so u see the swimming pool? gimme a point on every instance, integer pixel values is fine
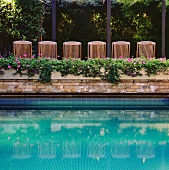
(118, 138)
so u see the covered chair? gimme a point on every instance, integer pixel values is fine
(96, 49)
(146, 49)
(47, 49)
(22, 49)
(72, 49)
(121, 49)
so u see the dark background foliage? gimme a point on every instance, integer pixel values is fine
(84, 23)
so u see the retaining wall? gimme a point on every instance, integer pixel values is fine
(79, 84)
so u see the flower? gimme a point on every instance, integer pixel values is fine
(32, 56)
(162, 59)
(9, 66)
(25, 55)
(130, 60)
(18, 62)
(144, 62)
(18, 66)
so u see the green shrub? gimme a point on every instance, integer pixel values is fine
(107, 69)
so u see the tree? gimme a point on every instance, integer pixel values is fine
(19, 20)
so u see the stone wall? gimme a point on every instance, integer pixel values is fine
(84, 86)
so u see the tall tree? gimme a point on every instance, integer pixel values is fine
(108, 28)
(54, 20)
(163, 26)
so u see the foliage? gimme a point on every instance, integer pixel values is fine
(20, 20)
(156, 66)
(140, 18)
(112, 75)
(98, 22)
(105, 68)
(46, 72)
(84, 21)
(68, 25)
(131, 67)
(130, 21)
(146, 2)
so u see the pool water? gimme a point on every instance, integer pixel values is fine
(119, 139)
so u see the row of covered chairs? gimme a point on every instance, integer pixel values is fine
(73, 49)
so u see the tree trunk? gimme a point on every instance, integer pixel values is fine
(108, 28)
(54, 20)
(163, 26)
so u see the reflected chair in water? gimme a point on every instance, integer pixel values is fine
(96, 150)
(145, 150)
(71, 149)
(146, 49)
(21, 150)
(47, 150)
(96, 49)
(120, 150)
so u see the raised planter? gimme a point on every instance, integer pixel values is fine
(79, 84)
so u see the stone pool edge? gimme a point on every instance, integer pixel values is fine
(85, 87)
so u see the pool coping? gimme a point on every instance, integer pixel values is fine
(84, 95)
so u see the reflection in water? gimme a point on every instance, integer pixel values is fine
(21, 151)
(72, 149)
(47, 150)
(120, 150)
(145, 150)
(96, 150)
(83, 141)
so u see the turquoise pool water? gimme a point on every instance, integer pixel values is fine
(85, 139)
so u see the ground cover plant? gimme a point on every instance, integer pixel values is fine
(107, 69)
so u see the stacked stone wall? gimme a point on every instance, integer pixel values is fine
(84, 86)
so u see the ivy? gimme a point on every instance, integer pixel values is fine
(113, 75)
(46, 72)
